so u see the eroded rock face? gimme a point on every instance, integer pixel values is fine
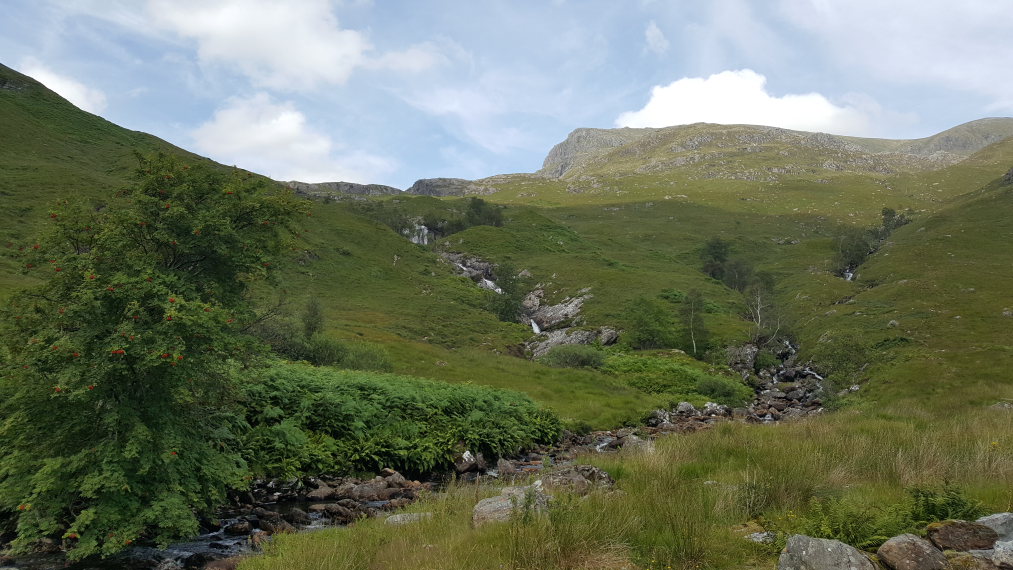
(551, 316)
(546, 341)
(1001, 523)
(807, 553)
(449, 187)
(910, 552)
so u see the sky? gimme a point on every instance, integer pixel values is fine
(391, 91)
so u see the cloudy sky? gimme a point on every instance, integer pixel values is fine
(388, 91)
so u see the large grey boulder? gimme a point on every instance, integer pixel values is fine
(807, 553)
(1001, 523)
(407, 518)
(910, 552)
(511, 501)
(1002, 555)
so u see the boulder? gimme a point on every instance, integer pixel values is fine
(511, 500)
(505, 468)
(581, 479)
(239, 528)
(298, 517)
(807, 553)
(961, 535)
(1001, 523)
(369, 491)
(321, 493)
(910, 552)
(1002, 554)
(407, 518)
(467, 462)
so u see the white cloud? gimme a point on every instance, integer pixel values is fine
(287, 46)
(961, 45)
(275, 139)
(87, 98)
(655, 38)
(741, 97)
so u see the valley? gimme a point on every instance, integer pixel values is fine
(661, 267)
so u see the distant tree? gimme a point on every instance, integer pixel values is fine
(691, 314)
(714, 255)
(854, 246)
(119, 366)
(650, 325)
(482, 213)
(760, 305)
(738, 274)
(313, 318)
(508, 304)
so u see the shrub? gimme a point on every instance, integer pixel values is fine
(722, 390)
(305, 419)
(574, 356)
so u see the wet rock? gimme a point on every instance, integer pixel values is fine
(468, 462)
(1001, 523)
(511, 500)
(909, 552)
(239, 528)
(407, 518)
(276, 526)
(505, 468)
(369, 491)
(807, 553)
(396, 480)
(322, 493)
(961, 535)
(298, 516)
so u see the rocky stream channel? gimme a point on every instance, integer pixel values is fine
(786, 391)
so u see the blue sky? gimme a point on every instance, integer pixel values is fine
(392, 91)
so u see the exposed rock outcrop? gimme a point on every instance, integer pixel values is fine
(910, 552)
(449, 187)
(551, 316)
(324, 189)
(546, 341)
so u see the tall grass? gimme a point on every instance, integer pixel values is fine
(680, 500)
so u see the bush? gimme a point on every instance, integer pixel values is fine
(722, 390)
(650, 325)
(311, 420)
(574, 356)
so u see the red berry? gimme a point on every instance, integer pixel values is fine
(172, 453)
(59, 269)
(91, 387)
(56, 347)
(172, 299)
(180, 357)
(169, 318)
(76, 354)
(52, 215)
(36, 246)
(58, 389)
(167, 206)
(165, 355)
(91, 276)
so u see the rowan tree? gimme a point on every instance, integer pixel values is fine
(119, 367)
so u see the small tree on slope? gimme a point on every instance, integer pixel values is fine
(118, 369)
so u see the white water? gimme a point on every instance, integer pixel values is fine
(535, 327)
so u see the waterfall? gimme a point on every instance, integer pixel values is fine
(535, 327)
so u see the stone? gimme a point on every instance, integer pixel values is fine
(1002, 554)
(276, 526)
(321, 493)
(239, 528)
(396, 480)
(407, 518)
(339, 513)
(511, 500)
(505, 468)
(1001, 523)
(961, 535)
(468, 462)
(807, 553)
(369, 491)
(298, 516)
(686, 408)
(910, 552)
(580, 479)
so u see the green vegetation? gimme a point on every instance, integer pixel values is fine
(118, 369)
(574, 356)
(305, 420)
